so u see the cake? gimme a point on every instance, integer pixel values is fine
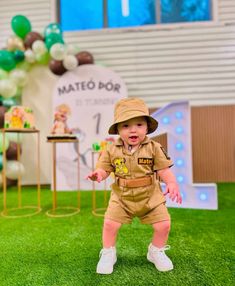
(19, 117)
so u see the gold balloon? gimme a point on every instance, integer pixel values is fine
(15, 43)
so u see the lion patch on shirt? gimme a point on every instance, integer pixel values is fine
(120, 167)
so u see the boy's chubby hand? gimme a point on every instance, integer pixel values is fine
(174, 193)
(98, 175)
(95, 176)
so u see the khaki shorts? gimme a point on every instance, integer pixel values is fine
(124, 210)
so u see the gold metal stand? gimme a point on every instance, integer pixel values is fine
(6, 212)
(98, 211)
(75, 210)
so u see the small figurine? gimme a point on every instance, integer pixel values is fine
(60, 120)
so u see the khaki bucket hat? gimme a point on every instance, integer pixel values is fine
(129, 108)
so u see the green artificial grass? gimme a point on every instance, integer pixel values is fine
(39, 250)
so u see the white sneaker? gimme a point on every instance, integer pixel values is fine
(158, 257)
(108, 258)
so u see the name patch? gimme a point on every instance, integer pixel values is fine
(145, 161)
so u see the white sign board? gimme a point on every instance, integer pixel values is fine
(90, 93)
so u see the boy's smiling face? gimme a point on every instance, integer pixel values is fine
(133, 131)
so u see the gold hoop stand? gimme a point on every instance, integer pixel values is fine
(8, 215)
(5, 213)
(52, 212)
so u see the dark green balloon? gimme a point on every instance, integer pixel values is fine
(18, 56)
(8, 102)
(20, 25)
(53, 28)
(53, 39)
(7, 61)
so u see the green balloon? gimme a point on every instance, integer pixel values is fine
(53, 28)
(20, 25)
(53, 39)
(43, 59)
(7, 61)
(23, 66)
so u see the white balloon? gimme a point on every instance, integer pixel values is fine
(39, 47)
(70, 62)
(19, 77)
(58, 51)
(8, 88)
(29, 56)
(14, 169)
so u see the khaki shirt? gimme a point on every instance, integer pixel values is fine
(144, 202)
(149, 158)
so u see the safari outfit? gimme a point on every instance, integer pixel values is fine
(136, 190)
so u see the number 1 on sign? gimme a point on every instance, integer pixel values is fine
(97, 116)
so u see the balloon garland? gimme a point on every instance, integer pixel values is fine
(25, 49)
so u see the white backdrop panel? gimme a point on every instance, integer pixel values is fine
(90, 92)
